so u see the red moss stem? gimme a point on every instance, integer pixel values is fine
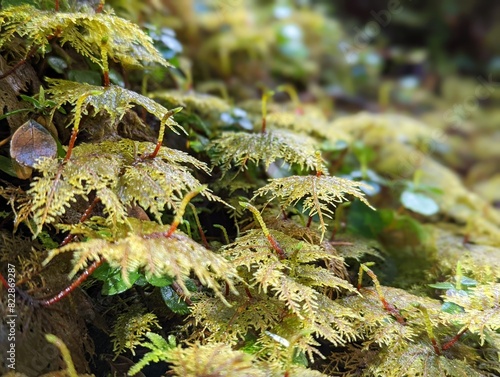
(70, 288)
(71, 144)
(70, 237)
(276, 246)
(454, 340)
(309, 221)
(106, 80)
(100, 7)
(247, 291)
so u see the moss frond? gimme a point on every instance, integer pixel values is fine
(93, 35)
(114, 100)
(115, 171)
(215, 359)
(295, 281)
(317, 193)
(193, 101)
(159, 351)
(239, 148)
(144, 246)
(131, 327)
(481, 309)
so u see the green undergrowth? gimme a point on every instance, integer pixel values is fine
(232, 235)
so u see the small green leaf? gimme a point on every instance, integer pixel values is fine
(159, 281)
(443, 285)
(57, 64)
(6, 166)
(113, 279)
(468, 282)
(173, 301)
(300, 358)
(451, 308)
(364, 221)
(419, 203)
(115, 283)
(89, 77)
(47, 242)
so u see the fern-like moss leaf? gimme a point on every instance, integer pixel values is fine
(114, 100)
(176, 256)
(317, 193)
(130, 328)
(93, 35)
(115, 171)
(239, 148)
(481, 309)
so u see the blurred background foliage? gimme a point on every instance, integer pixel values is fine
(436, 60)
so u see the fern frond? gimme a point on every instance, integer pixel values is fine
(115, 171)
(114, 100)
(312, 124)
(193, 101)
(221, 323)
(294, 281)
(419, 360)
(131, 327)
(334, 322)
(144, 246)
(481, 309)
(160, 351)
(317, 193)
(215, 359)
(238, 148)
(95, 36)
(58, 186)
(159, 182)
(380, 327)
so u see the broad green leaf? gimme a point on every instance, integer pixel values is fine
(159, 281)
(173, 301)
(419, 203)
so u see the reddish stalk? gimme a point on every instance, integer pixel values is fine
(435, 346)
(276, 246)
(200, 229)
(66, 291)
(4, 282)
(309, 221)
(100, 7)
(391, 309)
(178, 216)
(70, 237)
(70, 288)
(20, 63)
(14, 68)
(56, 6)
(71, 144)
(453, 340)
(272, 241)
(247, 291)
(106, 81)
(62, 294)
(160, 140)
